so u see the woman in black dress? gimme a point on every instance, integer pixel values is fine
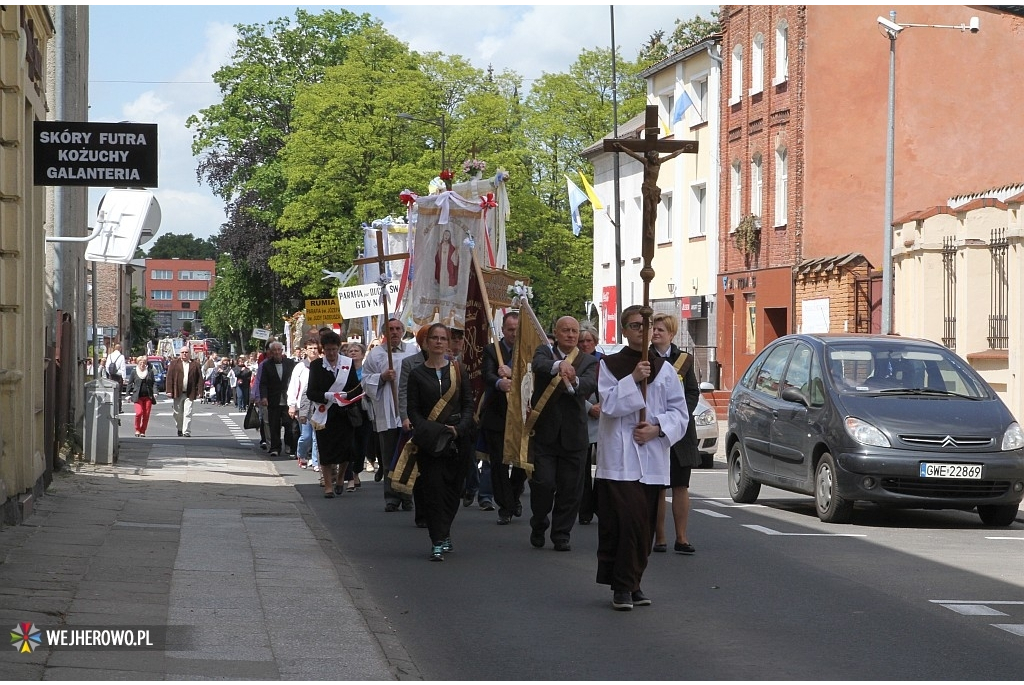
(335, 436)
(442, 419)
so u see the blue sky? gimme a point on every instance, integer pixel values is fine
(153, 64)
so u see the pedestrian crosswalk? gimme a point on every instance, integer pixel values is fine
(973, 607)
(236, 431)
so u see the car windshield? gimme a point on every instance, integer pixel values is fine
(880, 367)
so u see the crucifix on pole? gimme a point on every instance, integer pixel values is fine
(381, 261)
(647, 151)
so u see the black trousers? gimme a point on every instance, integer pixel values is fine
(626, 515)
(555, 489)
(388, 442)
(507, 484)
(277, 418)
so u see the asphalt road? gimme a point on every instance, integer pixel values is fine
(772, 593)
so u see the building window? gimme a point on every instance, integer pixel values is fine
(750, 303)
(192, 294)
(700, 89)
(781, 187)
(666, 102)
(736, 94)
(757, 65)
(161, 275)
(186, 316)
(949, 292)
(664, 219)
(756, 185)
(735, 186)
(162, 295)
(698, 210)
(781, 53)
(998, 322)
(193, 275)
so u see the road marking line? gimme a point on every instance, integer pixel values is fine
(996, 537)
(976, 601)
(716, 514)
(1015, 628)
(734, 505)
(769, 531)
(974, 610)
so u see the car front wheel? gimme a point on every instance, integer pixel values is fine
(997, 514)
(742, 488)
(831, 507)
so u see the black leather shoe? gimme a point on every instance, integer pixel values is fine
(640, 599)
(537, 539)
(585, 522)
(563, 546)
(504, 520)
(518, 510)
(622, 601)
(378, 476)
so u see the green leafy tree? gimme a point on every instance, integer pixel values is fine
(142, 321)
(685, 34)
(234, 306)
(240, 138)
(187, 246)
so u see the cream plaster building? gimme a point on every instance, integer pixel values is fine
(958, 280)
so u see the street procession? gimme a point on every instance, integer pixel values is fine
(511, 342)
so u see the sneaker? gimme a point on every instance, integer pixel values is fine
(390, 507)
(406, 506)
(504, 520)
(640, 599)
(487, 505)
(622, 600)
(187, 434)
(537, 539)
(447, 545)
(317, 468)
(273, 453)
(563, 546)
(684, 548)
(437, 553)
(467, 500)
(179, 434)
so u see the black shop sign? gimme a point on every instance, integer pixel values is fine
(79, 153)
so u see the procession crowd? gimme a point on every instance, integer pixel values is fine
(607, 434)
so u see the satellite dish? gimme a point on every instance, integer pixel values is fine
(126, 218)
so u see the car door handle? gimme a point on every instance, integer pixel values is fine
(775, 413)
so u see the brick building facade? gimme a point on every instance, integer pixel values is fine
(174, 290)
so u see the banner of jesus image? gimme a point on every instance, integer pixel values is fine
(445, 232)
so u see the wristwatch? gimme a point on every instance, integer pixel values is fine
(661, 433)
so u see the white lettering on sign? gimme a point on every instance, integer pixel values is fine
(93, 173)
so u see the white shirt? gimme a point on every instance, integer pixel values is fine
(382, 398)
(298, 382)
(619, 457)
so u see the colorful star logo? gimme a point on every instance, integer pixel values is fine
(25, 637)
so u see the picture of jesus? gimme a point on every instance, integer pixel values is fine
(448, 256)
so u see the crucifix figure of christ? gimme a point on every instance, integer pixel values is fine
(647, 151)
(381, 261)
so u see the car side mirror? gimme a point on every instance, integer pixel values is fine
(707, 387)
(794, 395)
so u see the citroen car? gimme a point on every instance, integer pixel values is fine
(873, 418)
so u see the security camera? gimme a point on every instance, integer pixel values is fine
(892, 28)
(974, 26)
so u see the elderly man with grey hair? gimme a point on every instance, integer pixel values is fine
(275, 373)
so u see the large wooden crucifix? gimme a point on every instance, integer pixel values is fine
(647, 151)
(381, 261)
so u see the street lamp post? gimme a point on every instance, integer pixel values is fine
(891, 29)
(439, 122)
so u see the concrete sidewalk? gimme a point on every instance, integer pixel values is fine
(179, 533)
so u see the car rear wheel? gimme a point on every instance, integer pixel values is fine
(742, 488)
(831, 507)
(997, 514)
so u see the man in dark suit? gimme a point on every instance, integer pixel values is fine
(508, 487)
(563, 378)
(274, 376)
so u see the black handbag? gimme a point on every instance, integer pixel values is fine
(252, 417)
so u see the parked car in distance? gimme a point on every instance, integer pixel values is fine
(159, 371)
(128, 370)
(884, 419)
(703, 417)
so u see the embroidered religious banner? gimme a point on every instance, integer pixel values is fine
(447, 230)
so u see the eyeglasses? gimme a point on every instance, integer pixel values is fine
(635, 326)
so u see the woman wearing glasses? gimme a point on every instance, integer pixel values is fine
(440, 406)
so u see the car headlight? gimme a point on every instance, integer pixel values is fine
(866, 434)
(1013, 438)
(705, 418)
